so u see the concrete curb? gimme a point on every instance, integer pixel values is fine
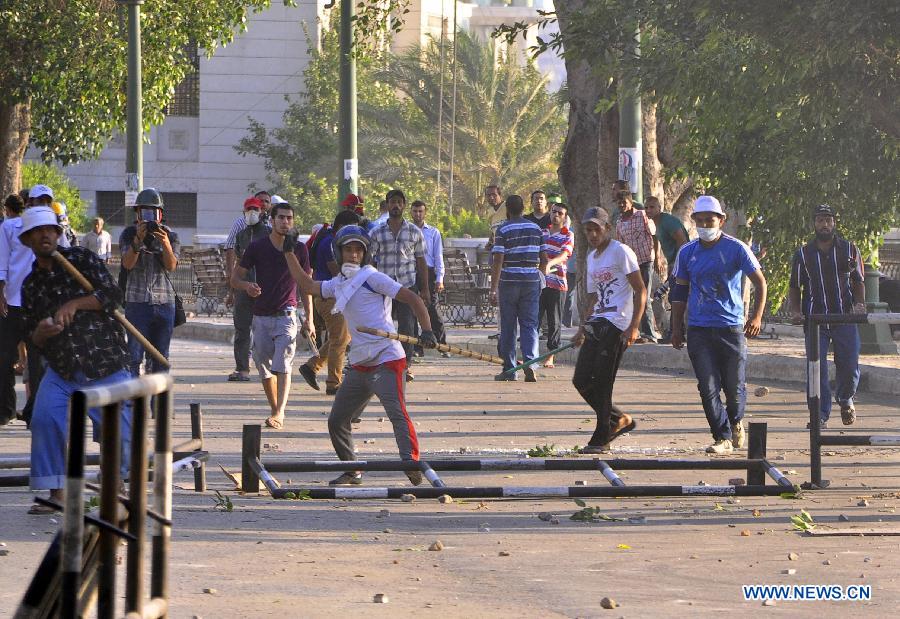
(761, 366)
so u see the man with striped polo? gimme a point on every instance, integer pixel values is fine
(827, 278)
(516, 285)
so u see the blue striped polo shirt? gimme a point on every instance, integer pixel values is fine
(520, 241)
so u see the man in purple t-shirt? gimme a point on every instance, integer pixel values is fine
(274, 309)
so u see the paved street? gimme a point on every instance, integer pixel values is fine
(680, 557)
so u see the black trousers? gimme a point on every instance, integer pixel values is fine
(11, 331)
(550, 308)
(595, 374)
(242, 314)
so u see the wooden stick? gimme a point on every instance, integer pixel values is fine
(511, 371)
(117, 314)
(406, 339)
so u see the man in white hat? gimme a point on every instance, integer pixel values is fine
(708, 275)
(83, 344)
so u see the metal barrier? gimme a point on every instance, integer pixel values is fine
(813, 393)
(188, 455)
(254, 470)
(82, 563)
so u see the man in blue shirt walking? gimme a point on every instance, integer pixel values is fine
(516, 285)
(708, 283)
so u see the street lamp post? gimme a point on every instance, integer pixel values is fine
(349, 172)
(134, 129)
(631, 147)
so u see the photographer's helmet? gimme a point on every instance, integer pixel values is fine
(349, 234)
(148, 199)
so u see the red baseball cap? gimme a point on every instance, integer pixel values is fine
(352, 200)
(254, 203)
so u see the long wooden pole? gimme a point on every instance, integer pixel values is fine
(406, 339)
(117, 314)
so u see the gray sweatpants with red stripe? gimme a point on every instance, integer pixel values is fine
(388, 382)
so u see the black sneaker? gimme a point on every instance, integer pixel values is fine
(347, 479)
(504, 377)
(415, 477)
(823, 425)
(309, 376)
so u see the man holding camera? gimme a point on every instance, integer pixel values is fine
(150, 252)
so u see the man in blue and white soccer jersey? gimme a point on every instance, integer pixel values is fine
(708, 275)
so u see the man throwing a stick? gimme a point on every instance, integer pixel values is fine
(377, 364)
(617, 294)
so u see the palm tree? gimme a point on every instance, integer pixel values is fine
(509, 127)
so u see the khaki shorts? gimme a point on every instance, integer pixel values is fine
(274, 343)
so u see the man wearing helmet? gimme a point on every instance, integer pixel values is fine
(150, 252)
(377, 364)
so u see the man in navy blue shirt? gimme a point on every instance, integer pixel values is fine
(516, 285)
(708, 275)
(827, 278)
(333, 352)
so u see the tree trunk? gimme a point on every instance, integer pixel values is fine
(590, 153)
(15, 129)
(654, 176)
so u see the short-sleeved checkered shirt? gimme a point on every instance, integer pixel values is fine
(146, 281)
(637, 232)
(396, 256)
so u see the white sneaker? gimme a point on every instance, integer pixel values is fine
(722, 446)
(738, 435)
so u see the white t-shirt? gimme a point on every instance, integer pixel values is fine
(370, 307)
(608, 279)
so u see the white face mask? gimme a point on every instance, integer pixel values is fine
(349, 270)
(708, 234)
(251, 217)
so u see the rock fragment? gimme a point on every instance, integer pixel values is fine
(436, 546)
(608, 603)
(380, 598)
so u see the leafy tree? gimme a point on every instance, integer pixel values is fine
(508, 127)
(64, 190)
(773, 107)
(63, 69)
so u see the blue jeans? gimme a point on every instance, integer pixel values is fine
(719, 357)
(518, 311)
(50, 426)
(845, 340)
(156, 323)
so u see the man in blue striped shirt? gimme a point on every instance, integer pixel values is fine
(827, 278)
(516, 284)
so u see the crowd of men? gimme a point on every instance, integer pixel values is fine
(355, 272)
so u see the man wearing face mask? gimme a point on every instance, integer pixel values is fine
(707, 275)
(242, 314)
(239, 224)
(827, 278)
(150, 252)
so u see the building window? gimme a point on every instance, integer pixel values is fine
(180, 211)
(186, 100)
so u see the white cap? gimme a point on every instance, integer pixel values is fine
(276, 199)
(38, 216)
(40, 190)
(708, 204)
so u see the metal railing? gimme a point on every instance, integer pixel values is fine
(87, 559)
(814, 393)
